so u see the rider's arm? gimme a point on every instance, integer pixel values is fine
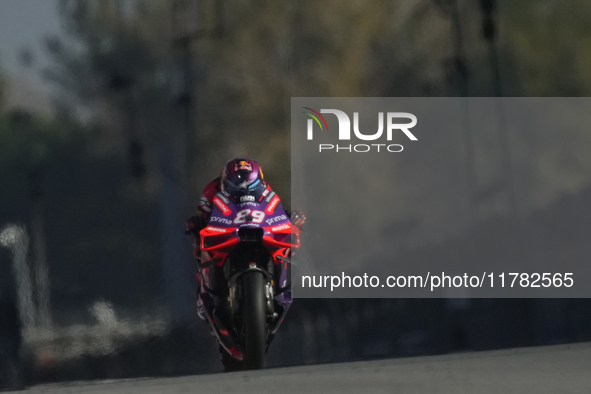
(198, 221)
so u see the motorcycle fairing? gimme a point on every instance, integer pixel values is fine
(229, 217)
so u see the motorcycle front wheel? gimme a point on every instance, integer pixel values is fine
(254, 320)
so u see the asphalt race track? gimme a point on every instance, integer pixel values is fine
(554, 369)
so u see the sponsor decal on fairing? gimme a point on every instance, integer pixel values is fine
(282, 227)
(220, 204)
(270, 196)
(223, 195)
(216, 229)
(276, 219)
(272, 205)
(220, 220)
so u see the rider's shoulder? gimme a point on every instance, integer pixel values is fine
(213, 186)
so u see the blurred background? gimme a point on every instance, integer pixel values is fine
(115, 113)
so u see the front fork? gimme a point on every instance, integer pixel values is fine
(277, 293)
(234, 290)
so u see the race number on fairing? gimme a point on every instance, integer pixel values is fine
(257, 216)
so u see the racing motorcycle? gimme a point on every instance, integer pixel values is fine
(245, 261)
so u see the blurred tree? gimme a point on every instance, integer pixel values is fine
(546, 54)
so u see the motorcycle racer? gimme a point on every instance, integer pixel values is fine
(242, 180)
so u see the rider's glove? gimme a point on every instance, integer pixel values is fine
(196, 223)
(298, 218)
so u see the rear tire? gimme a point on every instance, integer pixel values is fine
(254, 320)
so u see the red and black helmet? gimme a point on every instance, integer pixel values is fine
(241, 177)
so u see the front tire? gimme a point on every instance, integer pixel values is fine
(254, 320)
